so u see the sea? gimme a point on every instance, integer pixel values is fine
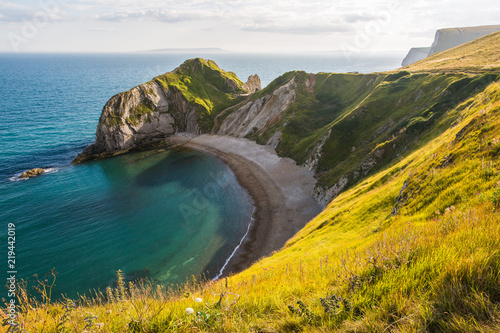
(164, 215)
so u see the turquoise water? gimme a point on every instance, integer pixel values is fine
(164, 215)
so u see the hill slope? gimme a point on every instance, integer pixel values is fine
(410, 242)
(480, 55)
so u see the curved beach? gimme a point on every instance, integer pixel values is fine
(281, 190)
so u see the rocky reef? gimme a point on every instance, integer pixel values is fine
(32, 173)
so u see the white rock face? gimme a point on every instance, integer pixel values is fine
(324, 195)
(157, 124)
(256, 116)
(313, 159)
(415, 54)
(446, 39)
(119, 130)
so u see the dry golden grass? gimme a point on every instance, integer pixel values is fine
(480, 55)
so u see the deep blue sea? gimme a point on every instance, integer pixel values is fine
(164, 215)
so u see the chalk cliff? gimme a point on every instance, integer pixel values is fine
(448, 38)
(415, 54)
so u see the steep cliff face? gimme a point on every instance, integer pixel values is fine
(415, 54)
(258, 115)
(185, 100)
(446, 39)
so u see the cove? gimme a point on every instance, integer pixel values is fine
(159, 214)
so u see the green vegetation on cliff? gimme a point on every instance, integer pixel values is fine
(368, 120)
(204, 84)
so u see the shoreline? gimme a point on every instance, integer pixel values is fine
(281, 192)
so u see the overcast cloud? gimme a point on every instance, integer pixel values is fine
(237, 25)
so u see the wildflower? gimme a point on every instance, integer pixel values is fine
(198, 300)
(452, 207)
(189, 311)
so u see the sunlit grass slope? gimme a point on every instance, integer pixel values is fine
(412, 247)
(415, 247)
(480, 55)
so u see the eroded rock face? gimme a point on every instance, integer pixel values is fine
(120, 129)
(32, 173)
(446, 39)
(258, 115)
(415, 54)
(253, 84)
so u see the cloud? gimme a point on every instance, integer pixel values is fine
(162, 15)
(11, 12)
(360, 17)
(103, 29)
(299, 29)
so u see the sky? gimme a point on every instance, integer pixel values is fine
(261, 26)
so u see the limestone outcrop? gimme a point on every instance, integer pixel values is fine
(258, 115)
(415, 54)
(446, 39)
(253, 84)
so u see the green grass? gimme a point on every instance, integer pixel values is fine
(204, 85)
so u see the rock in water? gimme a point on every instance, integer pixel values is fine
(32, 173)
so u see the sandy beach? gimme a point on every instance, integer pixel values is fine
(281, 190)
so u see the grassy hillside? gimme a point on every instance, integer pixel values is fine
(201, 82)
(205, 85)
(479, 55)
(412, 247)
(367, 121)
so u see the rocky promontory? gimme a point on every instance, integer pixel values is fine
(187, 99)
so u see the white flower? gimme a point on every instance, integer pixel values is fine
(189, 311)
(198, 300)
